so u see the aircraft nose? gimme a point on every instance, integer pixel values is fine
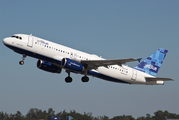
(5, 41)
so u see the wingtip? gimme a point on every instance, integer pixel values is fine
(139, 59)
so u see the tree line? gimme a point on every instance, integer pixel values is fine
(37, 114)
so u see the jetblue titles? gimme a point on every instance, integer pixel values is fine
(43, 42)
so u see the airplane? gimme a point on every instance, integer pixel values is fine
(54, 57)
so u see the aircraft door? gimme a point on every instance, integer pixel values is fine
(134, 74)
(30, 41)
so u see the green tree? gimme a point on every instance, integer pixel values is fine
(124, 117)
(160, 115)
(105, 117)
(18, 116)
(4, 116)
(36, 114)
(62, 115)
(51, 112)
(141, 118)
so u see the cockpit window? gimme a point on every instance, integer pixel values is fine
(17, 37)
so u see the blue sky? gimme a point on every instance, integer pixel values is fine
(111, 29)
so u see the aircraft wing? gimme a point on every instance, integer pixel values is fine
(94, 64)
(158, 79)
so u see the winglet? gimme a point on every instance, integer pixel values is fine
(139, 59)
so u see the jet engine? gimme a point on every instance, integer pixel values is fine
(72, 65)
(49, 67)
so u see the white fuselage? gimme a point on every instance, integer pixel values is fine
(49, 51)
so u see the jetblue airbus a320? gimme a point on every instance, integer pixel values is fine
(53, 57)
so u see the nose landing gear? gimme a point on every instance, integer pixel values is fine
(21, 62)
(23, 58)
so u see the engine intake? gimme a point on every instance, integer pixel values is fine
(49, 67)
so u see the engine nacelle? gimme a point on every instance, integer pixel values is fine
(72, 65)
(49, 67)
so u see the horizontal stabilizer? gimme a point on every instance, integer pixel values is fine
(158, 79)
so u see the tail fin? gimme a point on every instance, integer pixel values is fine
(152, 64)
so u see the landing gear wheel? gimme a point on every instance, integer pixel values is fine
(85, 79)
(21, 62)
(68, 79)
(23, 58)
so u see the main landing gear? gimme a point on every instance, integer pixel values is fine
(23, 58)
(69, 79)
(85, 79)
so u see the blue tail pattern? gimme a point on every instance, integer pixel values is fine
(152, 64)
